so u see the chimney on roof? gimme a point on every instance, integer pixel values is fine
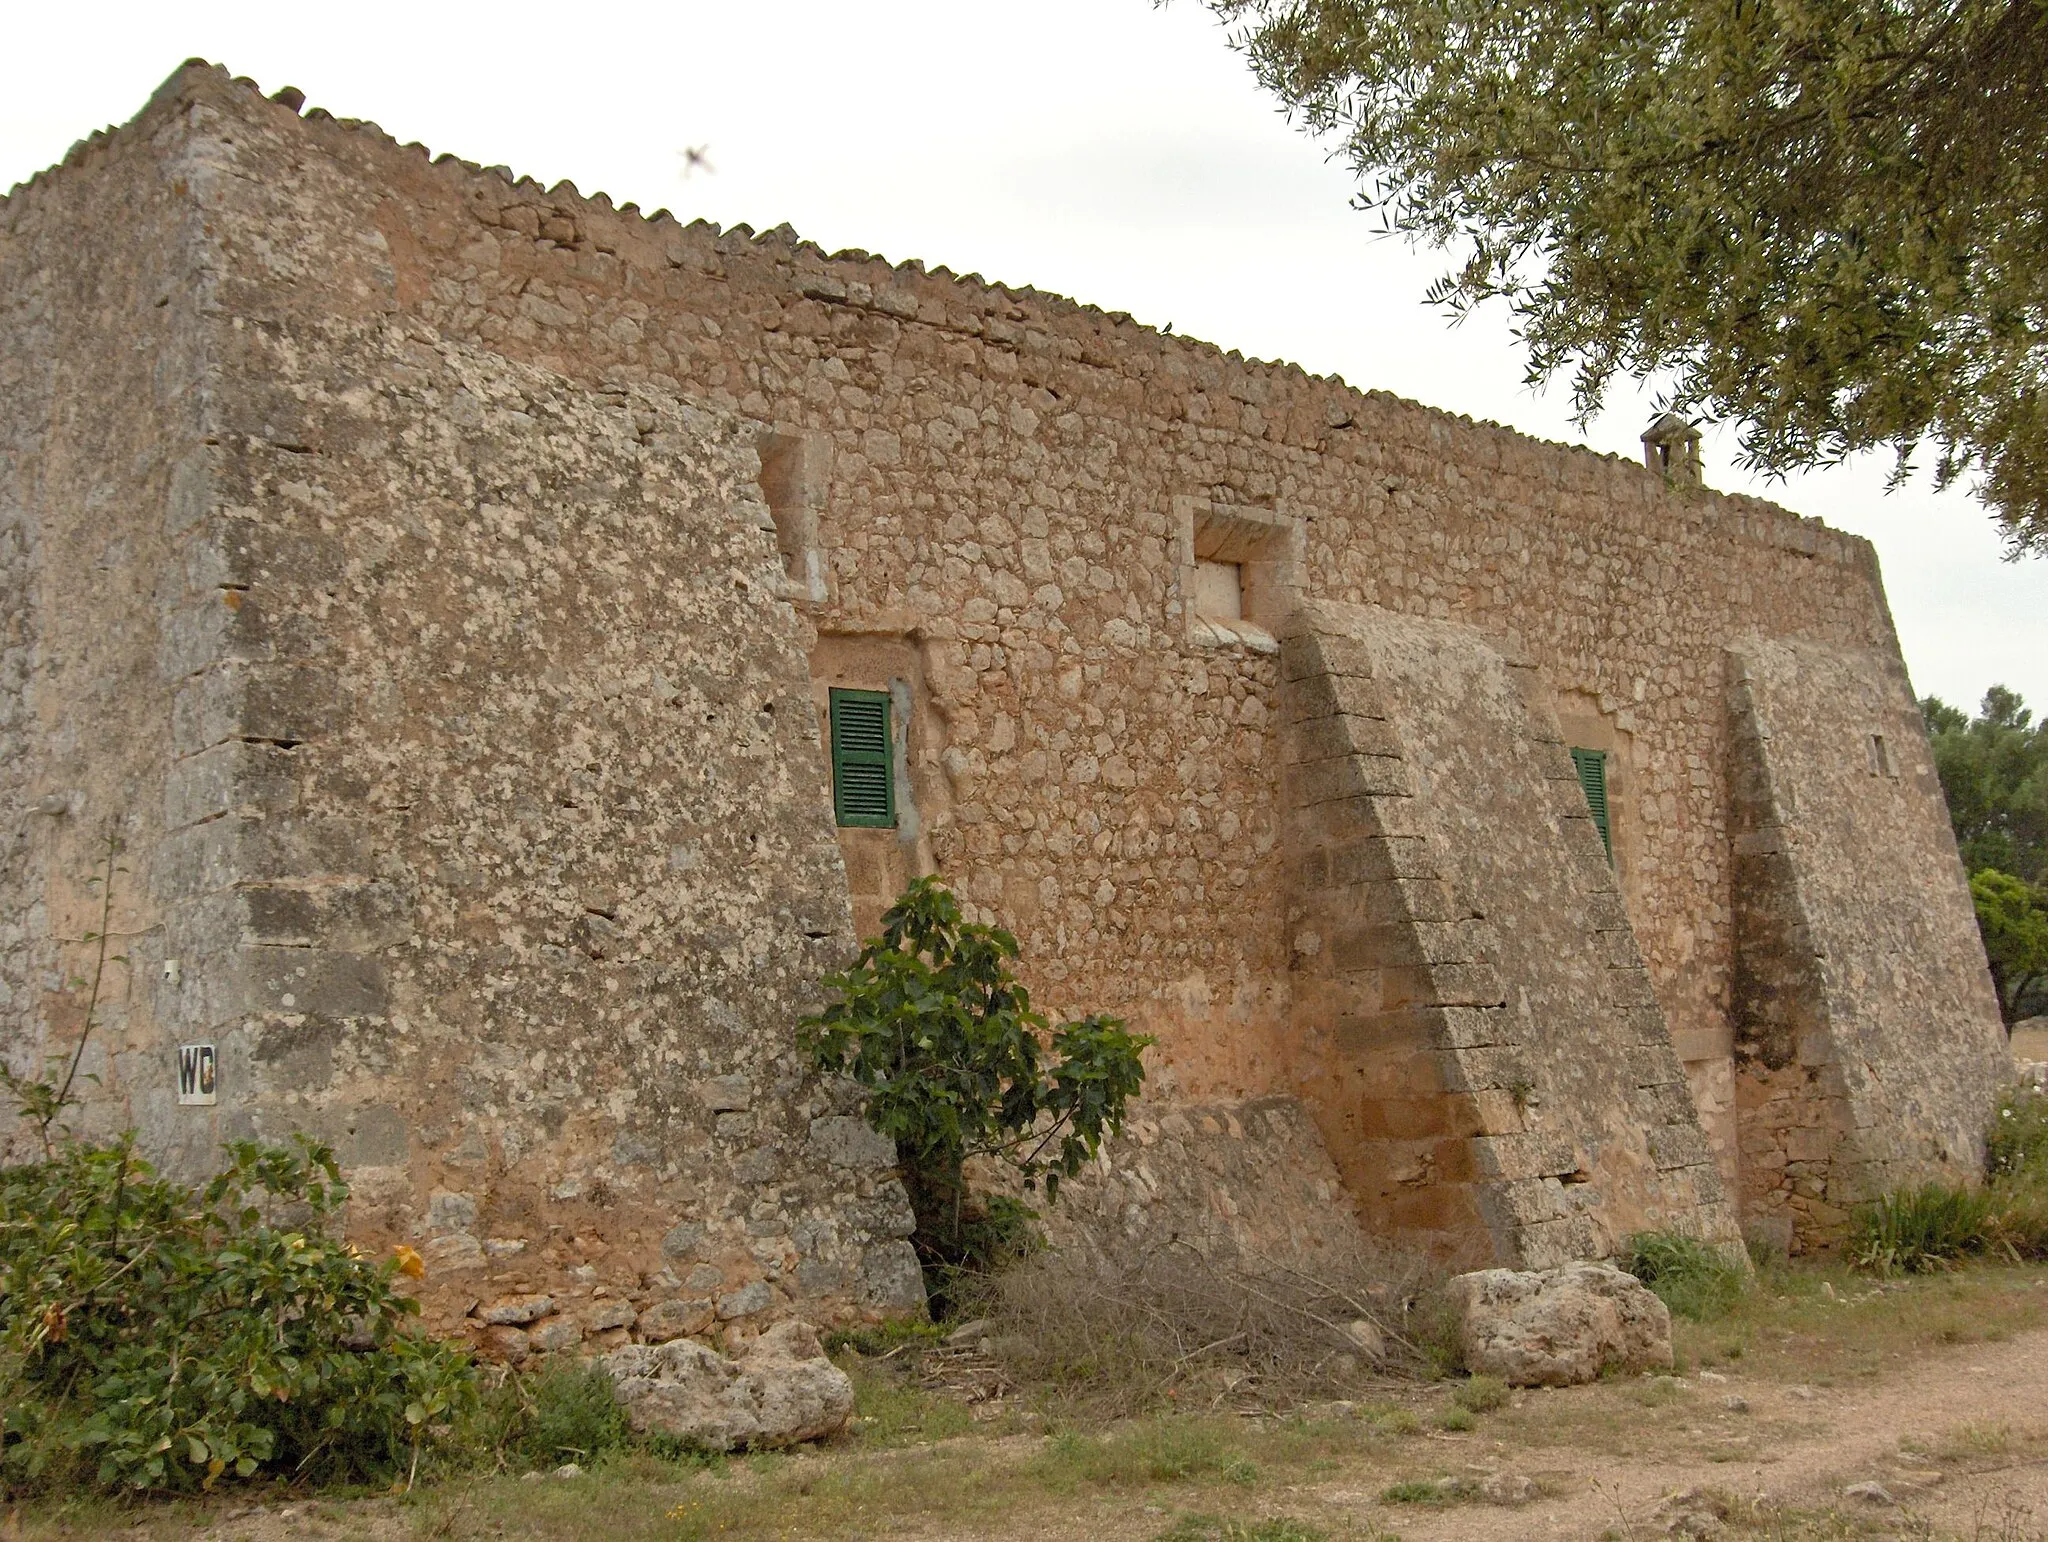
(1671, 447)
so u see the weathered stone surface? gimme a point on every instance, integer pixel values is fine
(517, 1310)
(844, 1141)
(555, 1334)
(503, 1342)
(747, 1301)
(781, 1392)
(1866, 1037)
(1559, 1327)
(667, 1320)
(603, 1316)
(460, 609)
(1535, 1127)
(891, 1279)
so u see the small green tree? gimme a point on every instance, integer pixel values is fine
(2013, 916)
(955, 1064)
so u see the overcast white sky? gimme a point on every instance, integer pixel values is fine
(1103, 149)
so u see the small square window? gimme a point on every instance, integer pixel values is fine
(1239, 570)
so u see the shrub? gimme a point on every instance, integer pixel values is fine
(562, 1413)
(1692, 1278)
(955, 1064)
(1481, 1394)
(158, 1337)
(2016, 1146)
(1915, 1231)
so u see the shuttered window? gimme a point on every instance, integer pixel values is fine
(1592, 769)
(863, 791)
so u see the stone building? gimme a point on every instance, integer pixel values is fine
(521, 643)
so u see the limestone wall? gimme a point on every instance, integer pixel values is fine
(104, 471)
(1472, 1019)
(998, 500)
(1013, 483)
(459, 735)
(1861, 999)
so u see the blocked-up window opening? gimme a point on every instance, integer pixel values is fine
(863, 786)
(1219, 590)
(1592, 768)
(1238, 572)
(795, 479)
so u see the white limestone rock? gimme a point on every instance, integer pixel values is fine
(1560, 1327)
(782, 1392)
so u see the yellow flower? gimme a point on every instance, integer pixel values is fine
(410, 1264)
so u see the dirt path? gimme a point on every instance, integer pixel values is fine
(1938, 1394)
(1969, 1471)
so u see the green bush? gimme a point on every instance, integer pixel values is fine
(1916, 1231)
(2016, 1146)
(1692, 1278)
(159, 1337)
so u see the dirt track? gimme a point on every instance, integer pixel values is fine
(1814, 1442)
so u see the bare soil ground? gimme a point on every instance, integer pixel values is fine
(1935, 1391)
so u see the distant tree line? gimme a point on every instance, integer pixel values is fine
(1994, 769)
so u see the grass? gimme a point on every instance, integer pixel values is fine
(1696, 1281)
(1208, 1528)
(1917, 1231)
(890, 1410)
(1155, 1450)
(1481, 1394)
(919, 1463)
(1417, 1491)
(1936, 1226)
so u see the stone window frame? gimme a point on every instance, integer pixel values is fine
(1269, 547)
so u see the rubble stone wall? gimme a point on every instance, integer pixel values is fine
(104, 477)
(1473, 1021)
(529, 509)
(457, 730)
(1860, 995)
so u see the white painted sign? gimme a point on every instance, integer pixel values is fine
(198, 1073)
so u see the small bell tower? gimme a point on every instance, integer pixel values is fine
(1671, 446)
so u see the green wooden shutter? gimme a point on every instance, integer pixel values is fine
(863, 788)
(1592, 769)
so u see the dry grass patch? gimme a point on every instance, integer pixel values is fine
(1096, 1337)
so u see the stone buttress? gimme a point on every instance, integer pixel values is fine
(1476, 1029)
(1864, 1019)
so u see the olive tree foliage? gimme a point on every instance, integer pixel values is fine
(1824, 220)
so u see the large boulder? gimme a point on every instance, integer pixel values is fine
(1560, 1327)
(780, 1392)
